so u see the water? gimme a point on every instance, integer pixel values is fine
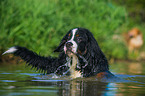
(18, 80)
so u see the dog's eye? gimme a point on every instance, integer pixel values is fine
(79, 39)
(68, 37)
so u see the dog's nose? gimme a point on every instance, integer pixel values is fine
(68, 44)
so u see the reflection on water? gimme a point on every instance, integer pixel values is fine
(16, 80)
(135, 68)
(129, 68)
(81, 88)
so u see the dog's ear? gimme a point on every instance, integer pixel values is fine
(93, 47)
(61, 45)
(95, 55)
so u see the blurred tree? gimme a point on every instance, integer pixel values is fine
(136, 9)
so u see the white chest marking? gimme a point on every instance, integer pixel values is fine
(137, 42)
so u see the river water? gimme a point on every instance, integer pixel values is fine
(19, 80)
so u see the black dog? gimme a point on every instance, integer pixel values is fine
(80, 56)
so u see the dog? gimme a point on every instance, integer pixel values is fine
(134, 39)
(80, 56)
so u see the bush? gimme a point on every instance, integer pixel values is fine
(40, 24)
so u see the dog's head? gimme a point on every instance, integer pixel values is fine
(81, 42)
(75, 41)
(134, 33)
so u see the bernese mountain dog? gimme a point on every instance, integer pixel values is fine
(80, 56)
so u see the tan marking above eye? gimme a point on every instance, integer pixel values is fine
(77, 35)
(69, 34)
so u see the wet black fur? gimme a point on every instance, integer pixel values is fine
(96, 60)
(46, 64)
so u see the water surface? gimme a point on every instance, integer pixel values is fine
(18, 80)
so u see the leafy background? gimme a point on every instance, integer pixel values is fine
(40, 24)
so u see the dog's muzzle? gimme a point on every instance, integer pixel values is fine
(69, 46)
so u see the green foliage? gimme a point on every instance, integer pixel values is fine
(135, 9)
(40, 24)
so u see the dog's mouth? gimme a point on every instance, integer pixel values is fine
(69, 52)
(75, 67)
